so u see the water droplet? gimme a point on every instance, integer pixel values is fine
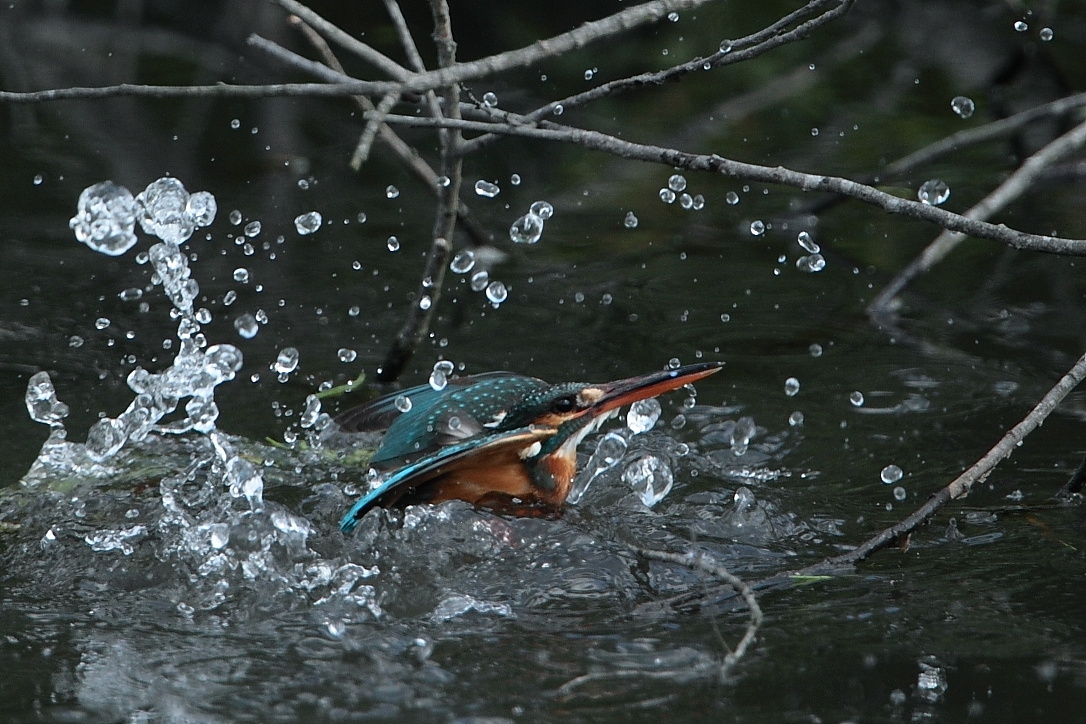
(643, 415)
(105, 218)
(963, 106)
(346, 355)
(496, 292)
(490, 100)
(588, 74)
(463, 262)
(393, 243)
(527, 229)
(699, 202)
(515, 179)
(558, 110)
(38, 179)
(542, 209)
(856, 398)
(443, 182)
(650, 477)
(676, 183)
(674, 363)
(486, 189)
(725, 46)
(795, 419)
(1021, 26)
(630, 222)
(286, 362)
(900, 494)
(402, 403)
(933, 192)
(725, 317)
(667, 196)
(732, 198)
(252, 229)
(241, 275)
(791, 387)
(891, 474)
(807, 243)
(814, 131)
(479, 280)
(1046, 34)
(673, 17)
(391, 192)
(811, 264)
(686, 201)
(308, 223)
(815, 350)
(101, 323)
(757, 227)
(425, 303)
(246, 326)
(361, 217)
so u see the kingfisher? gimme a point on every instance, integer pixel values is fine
(497, 440)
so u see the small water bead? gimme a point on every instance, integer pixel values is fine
(354, 311)
(261, 315)
(630, 222)
(558, 110)
(393, 243)
(676, 183)
(963, 106)
(402, 403)
(791, 387)
(391, 192)
(650, 477)
(75, 341)
(101, 323)
(589, 73)
(346, 355)
(527, 229)
(463, 262)
(425, 303)
(241, 275)
(38, 179)
(698, 202)
(496, 292)
(229, 298)
(252, 229)
(515, 179)
(1046, 34)
(667, 196)
(757, 227)
(235, 217)
(811, 264)
(203, 315)
(479, 280)
(732, 198)
(725, 317)
(686, 201)
(105, 218)
(807, 243)
(1021, 26)
(856, 398)
(891, 474)
(814, 131)
(933, 192)
(361, 217)
(673, 17)
(643, 415)
(307, 223)
(490, 99)
(286, 362)
(900, 494)
(674, 363)
(795, 419)
(131, 294)
(815, 349)
(445, 367)
(246, 326)
(486, 189)
(725, 46)
(542, 209)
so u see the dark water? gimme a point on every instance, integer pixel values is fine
(213, 612)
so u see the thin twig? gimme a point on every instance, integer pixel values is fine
(404, 33)
(369, 133)
(418, 322)
(219, 90)
(345, 40)
(766, 174)
(741, 50)
(1015, 185)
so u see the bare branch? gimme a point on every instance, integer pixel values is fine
(1015, 185)
(369, 133)
(766, 174)
(220, 90)
(740, 50)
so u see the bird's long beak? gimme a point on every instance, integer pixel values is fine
(613, 395)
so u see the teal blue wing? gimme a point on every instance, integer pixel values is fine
(421, 471)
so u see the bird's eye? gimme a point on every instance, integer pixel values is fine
(563, 405)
